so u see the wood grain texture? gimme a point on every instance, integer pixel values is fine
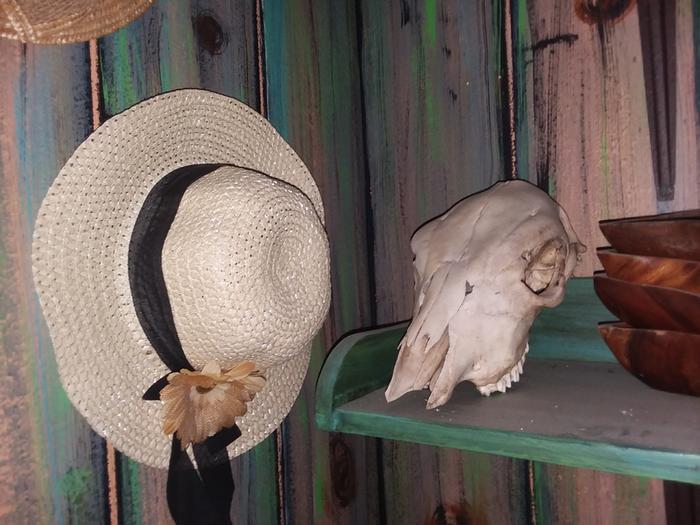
(606, 121)
(430, 76)
(430, 73)
(208, 44)
(314, 100)
(590, 496)
(51, 462)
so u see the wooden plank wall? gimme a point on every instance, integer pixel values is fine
(430, 77)
(51, 463)
(399, 108)
(606, 121)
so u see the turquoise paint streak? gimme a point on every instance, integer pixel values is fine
(131, 495)
(37, 362)
(696, 41)
(276, 67)
(521, 44)
(336, 107)
(125, 77)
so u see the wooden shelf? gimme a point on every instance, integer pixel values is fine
(574, 405)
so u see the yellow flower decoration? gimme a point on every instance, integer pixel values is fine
(199, 404)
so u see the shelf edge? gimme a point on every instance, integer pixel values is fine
(607, 457)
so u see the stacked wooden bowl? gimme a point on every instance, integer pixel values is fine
(651, 283)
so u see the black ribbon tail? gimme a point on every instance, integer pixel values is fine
(153, 392)
(202, 496)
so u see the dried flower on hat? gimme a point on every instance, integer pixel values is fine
(199, 404)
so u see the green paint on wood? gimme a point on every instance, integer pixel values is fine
(570, 452)
(696, 42)
(263, 499)
(542, 494)
(362, 363)
(178, 67)
(314, 100)
(277, 73)
(430, 23)
(130, 491)
(121, 71)
(76, 483)
(522, 53)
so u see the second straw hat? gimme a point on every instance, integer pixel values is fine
(65, 21)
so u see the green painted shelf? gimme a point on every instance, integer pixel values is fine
(574, 405)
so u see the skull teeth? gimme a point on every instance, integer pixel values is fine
(505, 382)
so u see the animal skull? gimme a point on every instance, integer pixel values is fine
(483, 271)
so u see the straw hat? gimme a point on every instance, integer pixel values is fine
(65, 21)
(242, 261)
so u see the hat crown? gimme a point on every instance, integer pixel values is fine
(245, 264)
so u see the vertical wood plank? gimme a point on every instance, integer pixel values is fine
(682, 503)
(314, 99)
(431, 80)
(209, 44)
(431, 76)
(565, 495)
(687, 51)
(51, 462)
(607, 123)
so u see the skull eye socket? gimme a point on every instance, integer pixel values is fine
(545, 266)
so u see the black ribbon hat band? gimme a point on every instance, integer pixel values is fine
(195, 496)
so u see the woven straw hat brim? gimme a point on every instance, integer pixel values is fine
(81, 249)
(67, 21)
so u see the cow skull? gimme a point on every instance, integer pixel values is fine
(483, 271)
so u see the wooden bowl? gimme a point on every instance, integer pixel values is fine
(681, 274)
(662, 359)
(649, 306)
(675, 235)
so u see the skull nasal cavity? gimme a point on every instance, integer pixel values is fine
(545, 265)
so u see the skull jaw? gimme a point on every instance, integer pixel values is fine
(495, 369)
(488, 352)
(506, 380)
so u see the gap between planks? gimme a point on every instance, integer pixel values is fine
(111, 453)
